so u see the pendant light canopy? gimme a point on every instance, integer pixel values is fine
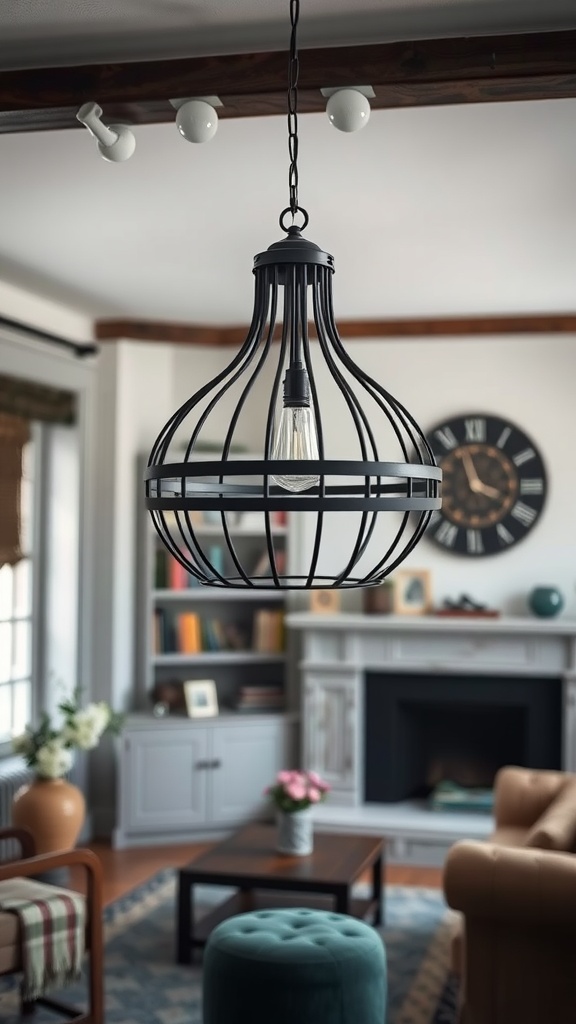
(324, 424)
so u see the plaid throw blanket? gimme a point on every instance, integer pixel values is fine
(53, 924)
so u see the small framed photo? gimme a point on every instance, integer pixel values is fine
(325, 602)
(201, 698)
(412, 593)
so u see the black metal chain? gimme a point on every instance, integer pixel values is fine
(293, 69)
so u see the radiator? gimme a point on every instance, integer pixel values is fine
(13, 774)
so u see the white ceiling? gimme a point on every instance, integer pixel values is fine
(41, 33)
(446, 210)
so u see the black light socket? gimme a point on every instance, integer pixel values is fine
(296, 387)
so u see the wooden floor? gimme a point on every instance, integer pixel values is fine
(125, 869)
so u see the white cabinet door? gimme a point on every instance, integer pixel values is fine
(245, 759)
(330, 717)
(164, 776)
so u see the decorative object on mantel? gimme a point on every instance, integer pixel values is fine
(294, 794)
(325, 602)
(50, 807)
(546, 602)
(378, 600)
(412, 592)
(466, 607)
(301, 469)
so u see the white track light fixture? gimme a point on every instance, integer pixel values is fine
(348, 110)
(116, 142)
(336, 448)
(197, 121)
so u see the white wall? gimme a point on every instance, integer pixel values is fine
(134, 399)
(45, 314)
(528, 379)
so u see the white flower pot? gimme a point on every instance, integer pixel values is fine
(295, 832)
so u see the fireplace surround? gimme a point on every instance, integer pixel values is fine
(341, 656)
(420, 730)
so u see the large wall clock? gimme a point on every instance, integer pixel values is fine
(494, 484)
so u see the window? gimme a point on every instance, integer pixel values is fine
(17, 610)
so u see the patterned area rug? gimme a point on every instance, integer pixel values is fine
(145, 986)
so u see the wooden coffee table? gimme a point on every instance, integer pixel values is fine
(248, 862)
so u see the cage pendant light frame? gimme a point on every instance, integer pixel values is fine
(293, 287)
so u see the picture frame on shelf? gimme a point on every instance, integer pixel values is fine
(201, 698)
(324, 602)
(412, 592)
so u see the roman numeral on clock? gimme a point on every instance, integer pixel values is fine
(532, 486)
(524, 456)
(474, 543)
(475, 429)
(503, 437)
(446, 438)
(523, 513)
(446, 534)
(504, 535)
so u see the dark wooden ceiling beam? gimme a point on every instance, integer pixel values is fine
(428, 72)
(224, 337)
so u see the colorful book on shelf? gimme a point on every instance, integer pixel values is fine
(177, 575)
(236, 637)
(157, 631)
(164, 639)
(189, 633)
(268, 631)
(160, 569)
(260, 698)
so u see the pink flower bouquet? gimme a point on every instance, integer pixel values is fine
(295, 790)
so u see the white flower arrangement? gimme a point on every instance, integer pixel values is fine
(48, 750)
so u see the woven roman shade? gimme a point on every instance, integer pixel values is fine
(14, 433)
(32, 401)
(21, 402)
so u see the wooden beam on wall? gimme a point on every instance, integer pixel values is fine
(481, 69)
(432, 327)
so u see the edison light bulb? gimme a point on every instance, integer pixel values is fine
(296, 439)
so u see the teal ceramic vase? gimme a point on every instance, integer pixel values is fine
(546, 601)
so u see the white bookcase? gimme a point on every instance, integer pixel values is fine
(239, 634)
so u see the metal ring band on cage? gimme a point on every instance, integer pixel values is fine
(420, 493)
(272, 467)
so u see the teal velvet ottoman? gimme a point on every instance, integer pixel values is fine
(294, 967)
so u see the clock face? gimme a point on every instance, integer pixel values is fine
(494, 485)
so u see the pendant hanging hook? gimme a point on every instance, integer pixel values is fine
(299, 209)
(293, 71)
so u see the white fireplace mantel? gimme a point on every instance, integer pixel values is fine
(337, 651)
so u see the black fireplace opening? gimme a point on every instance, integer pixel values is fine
(422, 730)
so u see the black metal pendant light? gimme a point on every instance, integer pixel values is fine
(364, 514)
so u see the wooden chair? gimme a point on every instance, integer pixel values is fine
(10, 940)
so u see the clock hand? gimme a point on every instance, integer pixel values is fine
(470, 470)
(474, 481)
(490, 492)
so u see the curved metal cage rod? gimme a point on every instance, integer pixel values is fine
(360, 420)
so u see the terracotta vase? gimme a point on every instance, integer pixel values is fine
(52, 810)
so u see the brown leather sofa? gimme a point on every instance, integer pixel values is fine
(516, 950)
